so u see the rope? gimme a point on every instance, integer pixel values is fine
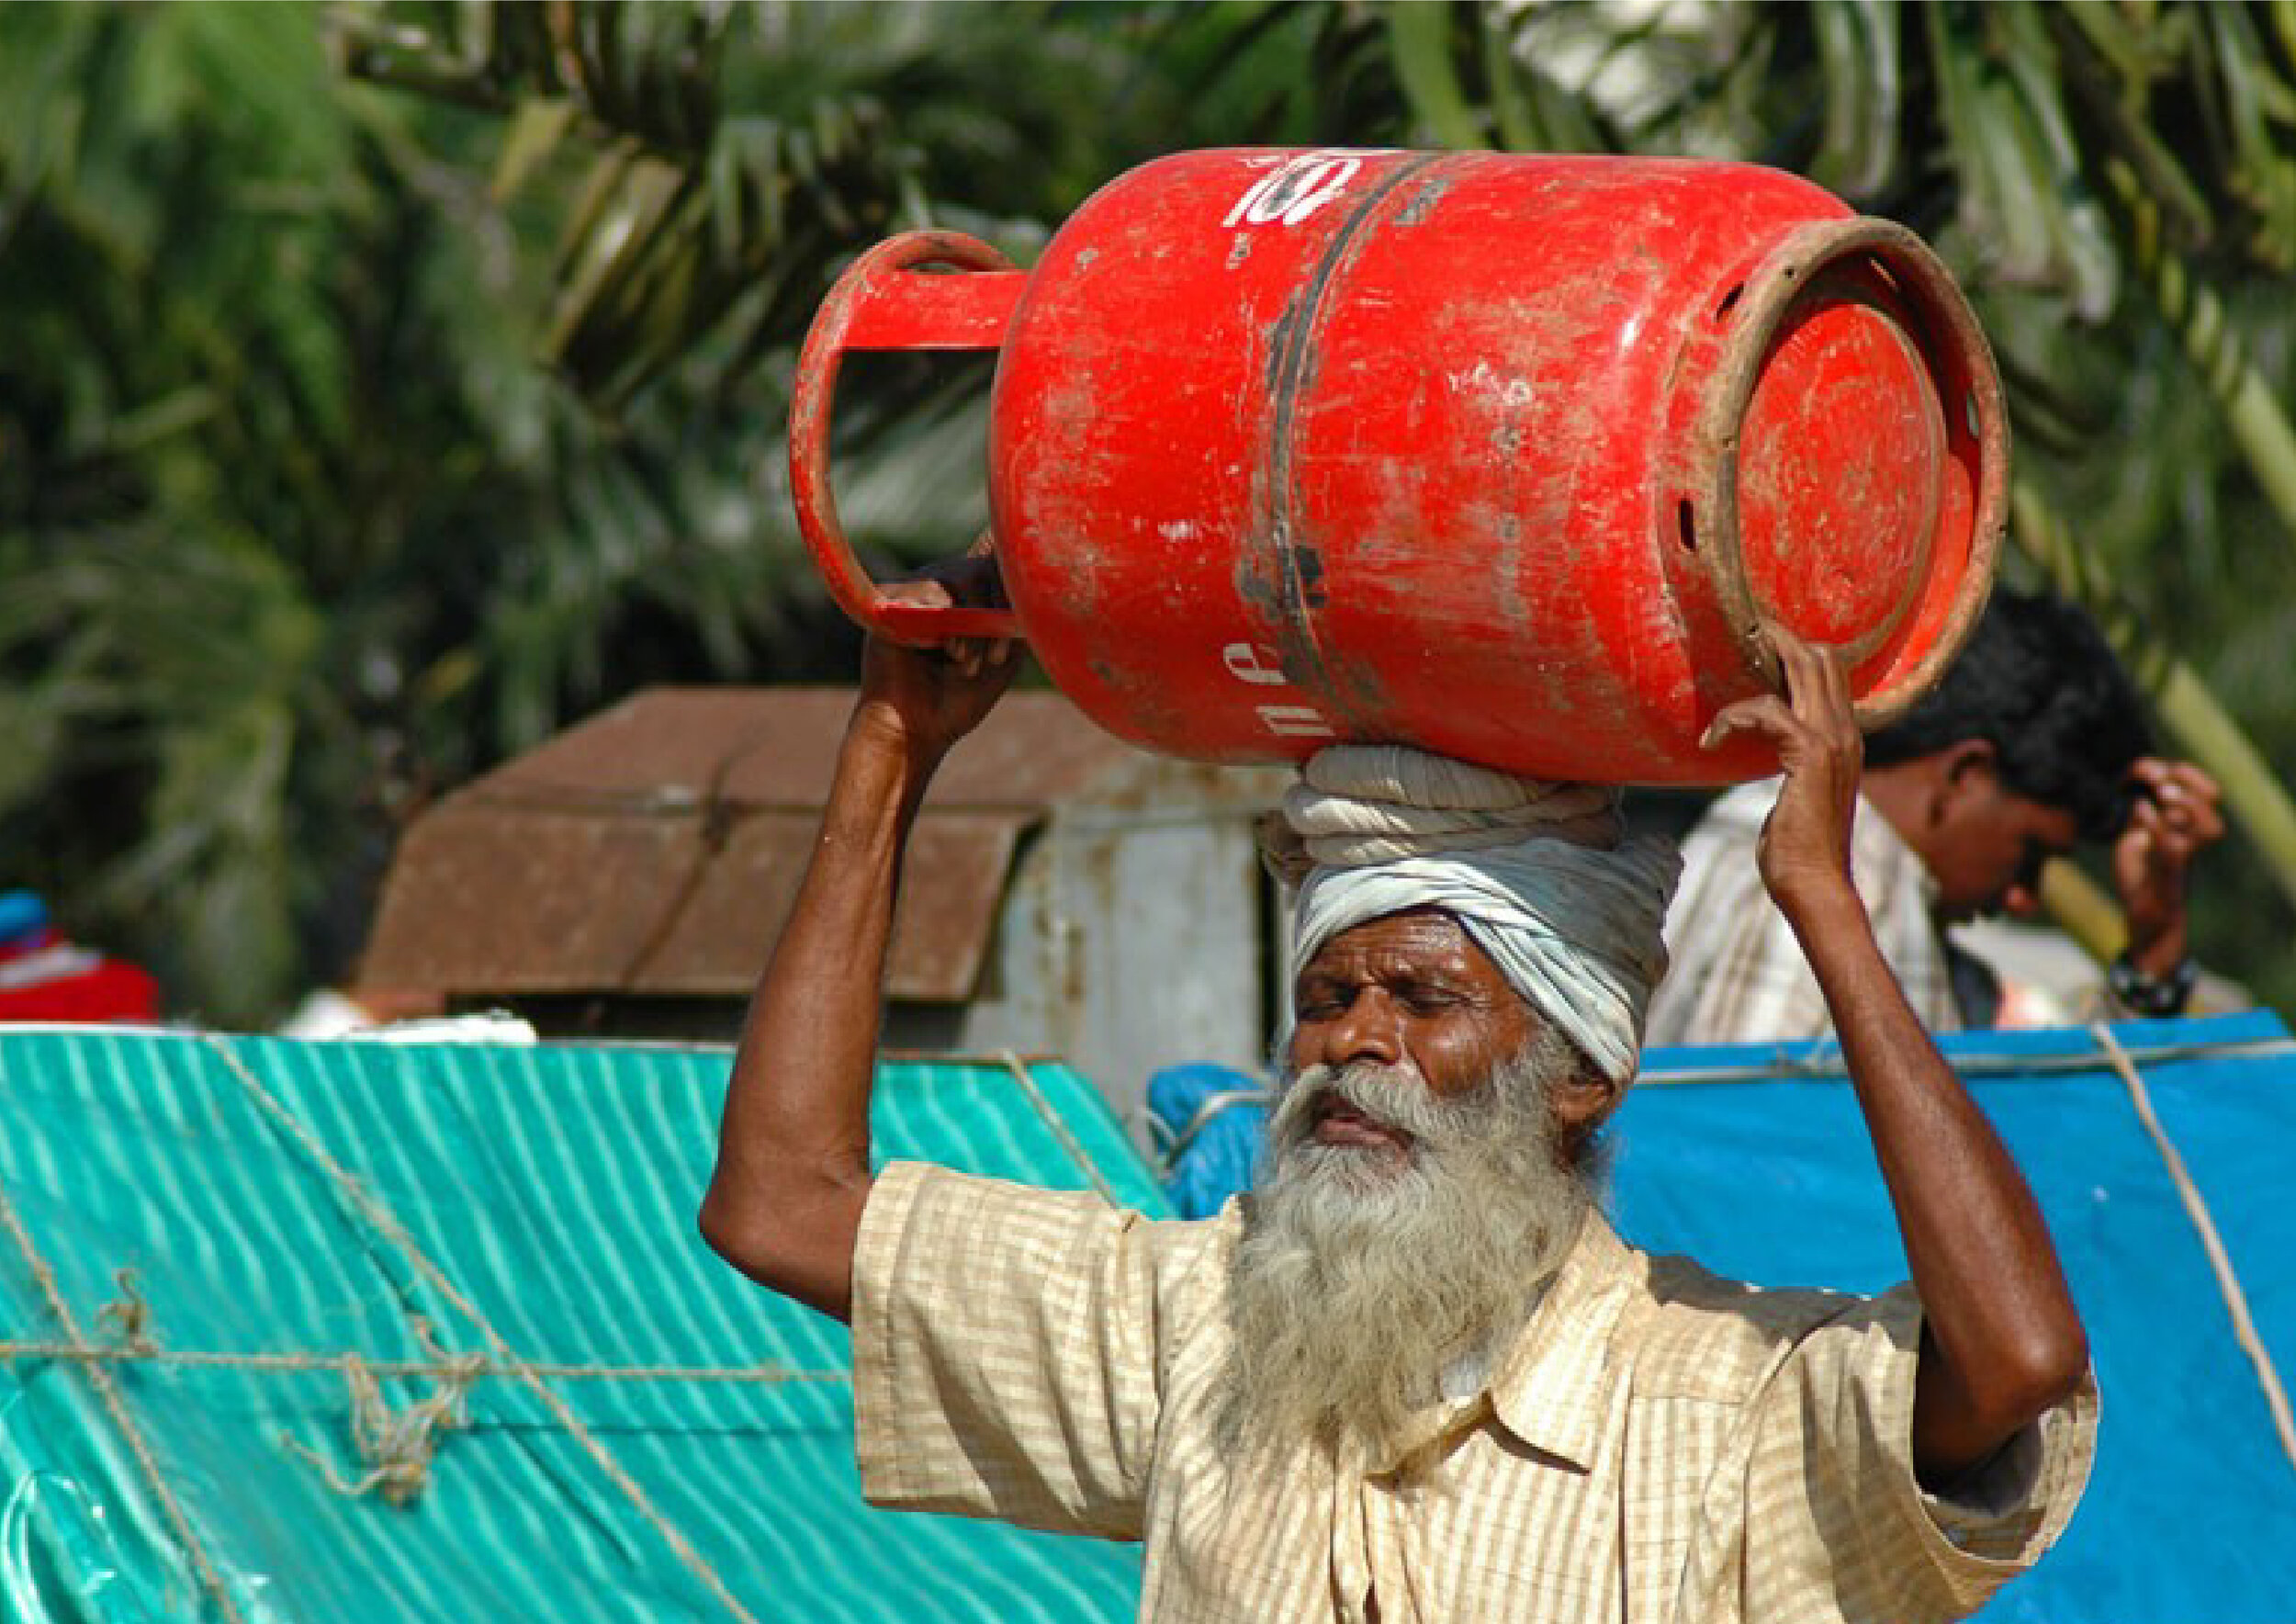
(1824, 1060)
(132, 1315)
(386, 1224)
(115, 1404)
(1171, 1147)
(437, 1369)
(398, 1445)
(2228, 1281)
(1043, 1107)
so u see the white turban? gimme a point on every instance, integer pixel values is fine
(1535, 873)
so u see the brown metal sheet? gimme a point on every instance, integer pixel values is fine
(777, 747)
(950, 894)
(500, 900)
(657, 846)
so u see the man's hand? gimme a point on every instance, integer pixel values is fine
(1804, 849)
(2174, 818)
(927, 699)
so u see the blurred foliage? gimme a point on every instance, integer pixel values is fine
(394, 382)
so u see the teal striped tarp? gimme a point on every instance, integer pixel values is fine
(177, 1188)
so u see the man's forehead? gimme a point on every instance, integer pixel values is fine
(1426, 933)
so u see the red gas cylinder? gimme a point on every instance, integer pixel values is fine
(1507, 457)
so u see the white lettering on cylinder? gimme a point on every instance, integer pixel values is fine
(1294, 721)
(1248, 662)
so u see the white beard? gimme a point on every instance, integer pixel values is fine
(1364, 1270)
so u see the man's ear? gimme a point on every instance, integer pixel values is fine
(1581, 1105)
(1966, 766)
(1585, 1100)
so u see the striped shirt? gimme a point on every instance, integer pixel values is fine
(1736, 973)
(1657, 1444)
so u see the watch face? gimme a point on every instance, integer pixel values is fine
(2146, 996)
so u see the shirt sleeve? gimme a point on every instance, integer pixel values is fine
(1832, 1495)
(1005, 1351)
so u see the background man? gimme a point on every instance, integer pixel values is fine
(1416, 1376)
(2033, 741)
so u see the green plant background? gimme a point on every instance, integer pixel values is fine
(387, 385)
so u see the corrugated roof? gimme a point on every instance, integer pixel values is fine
(683, 1451)
(656, 848)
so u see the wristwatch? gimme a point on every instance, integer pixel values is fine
(2154, 997)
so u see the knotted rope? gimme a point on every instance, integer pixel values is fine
(130, 1315)
(398, 1445)
(116, 1405)
(386, 1224)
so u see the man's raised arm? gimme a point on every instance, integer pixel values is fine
(2002, 1340)
(784, 1202)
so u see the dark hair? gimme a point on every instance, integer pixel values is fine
(2037, 682)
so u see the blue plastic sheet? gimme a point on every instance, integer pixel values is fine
(1207, 1122)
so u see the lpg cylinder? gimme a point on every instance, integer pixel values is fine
(1507, 457)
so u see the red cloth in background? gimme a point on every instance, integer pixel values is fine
(46, 978)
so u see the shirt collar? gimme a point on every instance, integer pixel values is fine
(1551, 1389)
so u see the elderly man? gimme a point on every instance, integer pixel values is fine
(1415, 1375)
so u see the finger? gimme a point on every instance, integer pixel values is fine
(2201, 820)
(2184, 810)
(2144, 831)
(1794, 658)
(1830, 709)
(977, 578)
(2182, 837)
(2176, 779)
(1836, 666)
(932, 595)
(1766, 714)
(1808, 676)
(1818, 693)
(2188, 787)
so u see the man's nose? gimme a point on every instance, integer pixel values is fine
(1367, 1030)
(2022, 901)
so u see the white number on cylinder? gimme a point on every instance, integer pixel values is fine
(1288, 195)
